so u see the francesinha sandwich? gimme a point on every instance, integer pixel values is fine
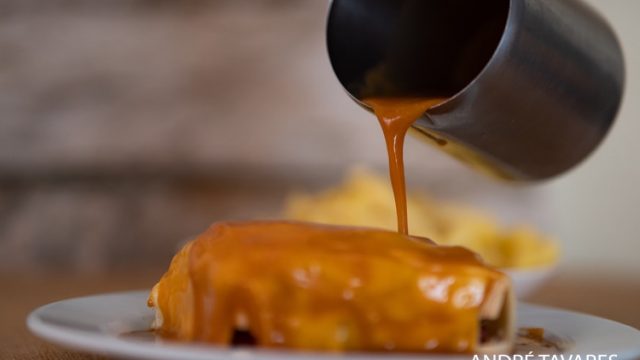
(289, 285)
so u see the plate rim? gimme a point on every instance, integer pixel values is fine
(104, 344)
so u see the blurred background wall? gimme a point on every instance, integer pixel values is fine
(597, 206)
(127, 126)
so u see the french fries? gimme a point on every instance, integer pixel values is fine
(366, 199)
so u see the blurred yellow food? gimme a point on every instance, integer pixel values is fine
(366, 199)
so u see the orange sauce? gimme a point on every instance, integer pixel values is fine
(396, 115)
(307, 286)
(314, 287)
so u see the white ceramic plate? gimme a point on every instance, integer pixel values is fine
(96, 324)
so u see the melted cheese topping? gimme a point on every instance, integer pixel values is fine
(315, 287)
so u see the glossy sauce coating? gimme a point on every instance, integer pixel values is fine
(314, 287)
(396, 115)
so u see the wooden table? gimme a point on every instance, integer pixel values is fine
(612, 296)
(22, 293)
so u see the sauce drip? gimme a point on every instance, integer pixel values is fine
(396, 115)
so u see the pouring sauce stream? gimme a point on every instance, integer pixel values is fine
(396, 115)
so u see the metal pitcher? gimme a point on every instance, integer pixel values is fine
(533, 86)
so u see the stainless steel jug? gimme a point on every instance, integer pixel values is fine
(533, 86)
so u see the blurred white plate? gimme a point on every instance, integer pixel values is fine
(527, 281)
(96, 324)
